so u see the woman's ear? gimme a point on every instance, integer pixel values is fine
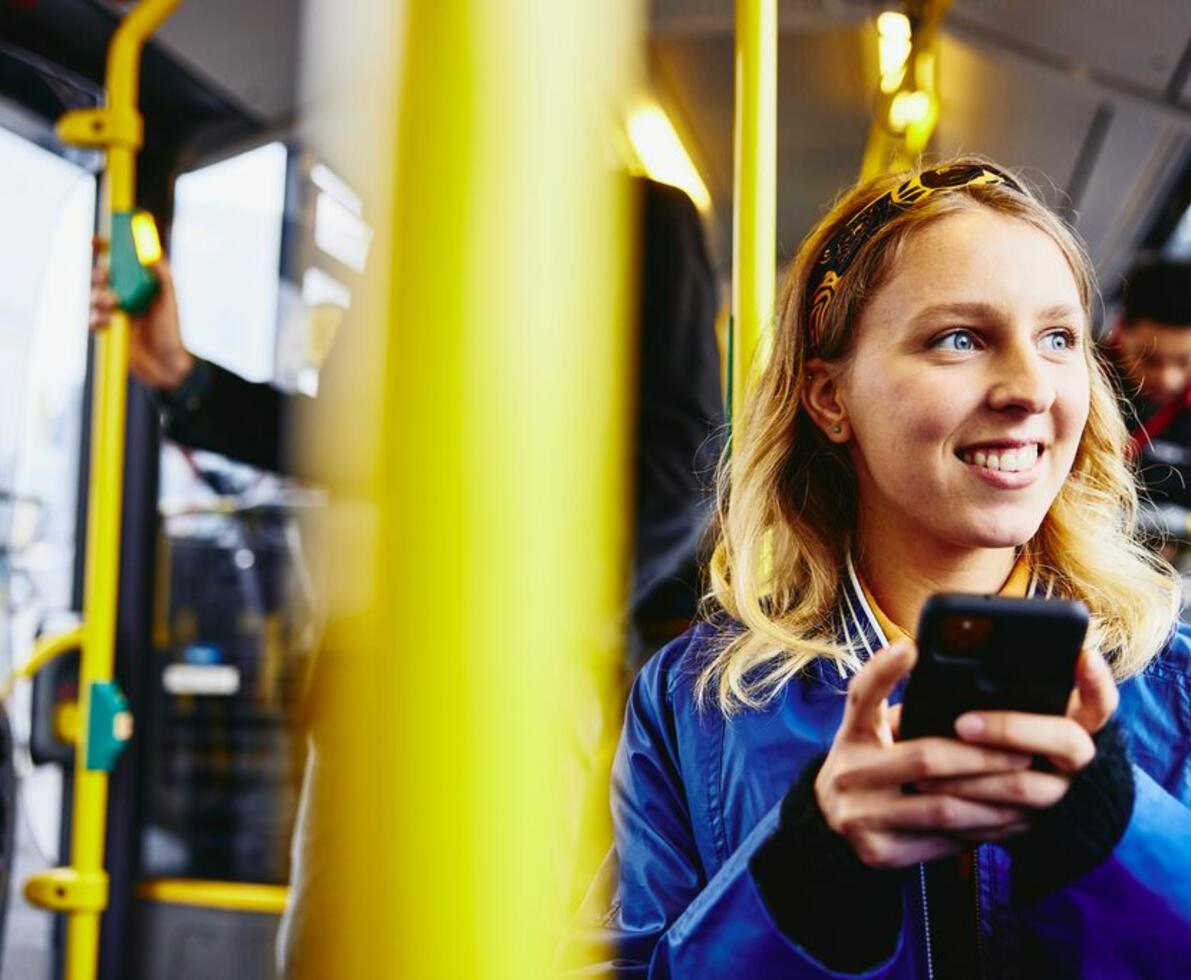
(823, 401)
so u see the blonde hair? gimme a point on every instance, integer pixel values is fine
(788, 500)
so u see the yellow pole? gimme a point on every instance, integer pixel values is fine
(479, 495)
(754, 211)
(81, 889)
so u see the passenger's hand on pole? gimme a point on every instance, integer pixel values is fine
(859, 787)
(1064, 742)
(157, 357)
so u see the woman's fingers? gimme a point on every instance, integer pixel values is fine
(935, 812)
(1035, 790)
(103, 300)
(926, 758)
(103, 305)
(1096, 696)
(1064, 742)
(869, 689)
(909, 829)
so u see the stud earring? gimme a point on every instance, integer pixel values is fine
(837, 429)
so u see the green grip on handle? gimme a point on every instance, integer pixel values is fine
(109, 725)
(132, 277)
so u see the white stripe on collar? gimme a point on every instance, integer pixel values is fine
(862, 602)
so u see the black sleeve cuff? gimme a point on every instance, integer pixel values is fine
(218, 411)
(188, 396)
(1082, 829)
(815, 887)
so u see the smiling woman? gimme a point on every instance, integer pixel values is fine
(932, 418)
(973, 344)
(957, 323)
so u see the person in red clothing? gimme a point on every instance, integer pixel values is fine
(1153, 334)
(1150, 351)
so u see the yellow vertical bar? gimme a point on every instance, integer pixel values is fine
(487, 512)
(754, 202)
(89, 815)
(101, 575)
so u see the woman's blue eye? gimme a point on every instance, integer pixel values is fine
(1059, 340)
(958, 340)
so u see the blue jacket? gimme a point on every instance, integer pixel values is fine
(694, 796)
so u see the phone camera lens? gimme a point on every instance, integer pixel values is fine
(963, 636)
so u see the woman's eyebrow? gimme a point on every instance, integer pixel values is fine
(957, 310)
(976, 311)
(1062, 311)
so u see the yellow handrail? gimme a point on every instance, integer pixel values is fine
(754, 198)
(238, 896)
(46, 648)
(80, 890)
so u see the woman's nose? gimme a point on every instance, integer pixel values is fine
(1022, 380)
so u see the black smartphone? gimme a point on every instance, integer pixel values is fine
(991, 653)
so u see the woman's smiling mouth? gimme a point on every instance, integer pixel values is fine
(1008, 465)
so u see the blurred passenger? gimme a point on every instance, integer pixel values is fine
(679, 422)
(1150, 348)
(932, 418)
(679, 417)
(203, 405)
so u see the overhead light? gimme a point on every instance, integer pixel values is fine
(662, 155)
(909, 109)
(892, 23)
(894, 40)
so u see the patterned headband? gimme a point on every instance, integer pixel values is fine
(841, 250)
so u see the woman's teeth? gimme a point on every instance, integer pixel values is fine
(1004, 460)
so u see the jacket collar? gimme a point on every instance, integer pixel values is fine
(859, 627)
(859, 623)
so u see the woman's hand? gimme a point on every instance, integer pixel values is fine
(859, 787)
(157, 357)
(1066, 742)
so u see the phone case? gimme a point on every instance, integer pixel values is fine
(991, 653)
